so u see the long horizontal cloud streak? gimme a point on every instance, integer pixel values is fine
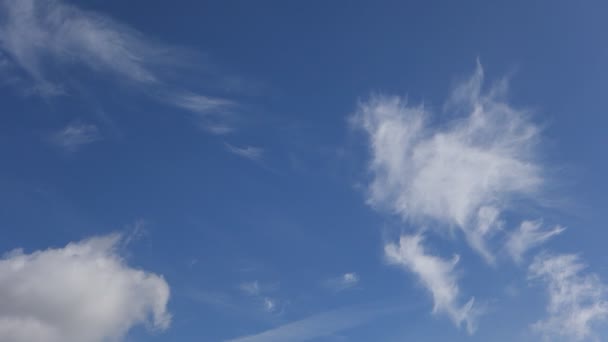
(461, 175)
(319, 325)
(82, 292)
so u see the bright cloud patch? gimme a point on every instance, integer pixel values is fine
(529, 235)
(462, 174)
(436, 274)
(576, 301)
(82, 292)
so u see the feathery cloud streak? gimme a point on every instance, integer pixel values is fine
(576, 301)
(319, 325)
(437, 275)
(529, 234)
(462, 174)
(74, 136)
(42, 37)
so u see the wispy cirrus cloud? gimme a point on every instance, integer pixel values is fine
(251, 288)
(577, 300)
(461, 174)
(342, 282)
(216, 115)
(75, 135)
(262, 294)
(35, 33)
(529, 235)
(465, 173)
(45, 38)
(437, 275)
(247, 152)
(82, 292)
(320, 325)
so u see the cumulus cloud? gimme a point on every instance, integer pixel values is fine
(74, 136)
(82, 292)
(577, 301)
(437, 275)
(460, 174)
(529, 234)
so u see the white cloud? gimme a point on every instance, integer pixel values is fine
(43, 37)
(350, 279)
(251, 288)
(576, 301)
(345, 281)
(529, 235)
(462, 173)
(261, 295)
(36, 32)
(203, 105)
(82, 292)
(437, 275)
(269, 304)
(214, 114)
(319, 325)
(248, 152)
(76, 135)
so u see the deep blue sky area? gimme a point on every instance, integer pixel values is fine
(255, 171)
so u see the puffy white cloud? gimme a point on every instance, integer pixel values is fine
(82, 292)
(529, 234)
(437, 275)
(576, 301)
(462, 173)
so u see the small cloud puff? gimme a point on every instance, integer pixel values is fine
(343, 282)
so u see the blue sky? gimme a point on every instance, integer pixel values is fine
(303, 171)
